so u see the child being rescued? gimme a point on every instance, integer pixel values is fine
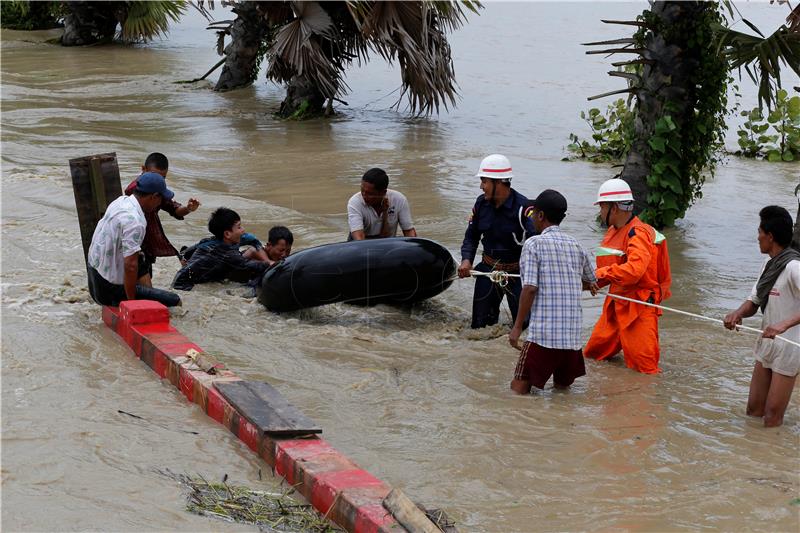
(219, 257)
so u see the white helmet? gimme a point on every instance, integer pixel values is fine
(495, 167)
(614, 190)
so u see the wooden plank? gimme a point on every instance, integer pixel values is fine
(96, 183)
(265, 408)
(408, 514)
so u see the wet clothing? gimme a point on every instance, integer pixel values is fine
(105, 293)
(536, 364)
(118, 235)
(783, 303)
(214, 260)
(770, 273)
(155, 242)
(502, 231)
(557, 266)
(363, 217)
(636, 270)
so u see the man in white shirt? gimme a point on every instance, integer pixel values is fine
(113, 260)
(777, 294)
(377, 210)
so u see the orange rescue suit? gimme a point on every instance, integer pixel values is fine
(640, 271)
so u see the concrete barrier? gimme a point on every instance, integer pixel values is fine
(336, 486)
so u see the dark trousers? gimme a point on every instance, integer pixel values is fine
(488, 296)
(106, 293)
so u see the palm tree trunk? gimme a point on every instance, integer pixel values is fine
(89, 22)
(303, 99)
(242, 53)
(666, 77)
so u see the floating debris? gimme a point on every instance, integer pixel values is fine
(271, 511)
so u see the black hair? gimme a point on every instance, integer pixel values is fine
(222, 220)
(554, 216)
(777, 221)
(377, 177)
(158, 161)
(276, 233)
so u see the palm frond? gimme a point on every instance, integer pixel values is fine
(298, 49)
(761, 57)
(146, 20)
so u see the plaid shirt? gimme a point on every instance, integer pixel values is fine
(556, 264)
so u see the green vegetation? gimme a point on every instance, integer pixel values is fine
(26, 16)
(775, 137)
(612, 133)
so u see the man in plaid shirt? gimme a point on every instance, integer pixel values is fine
(554, 270)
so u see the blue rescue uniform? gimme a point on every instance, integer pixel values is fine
(501, 232)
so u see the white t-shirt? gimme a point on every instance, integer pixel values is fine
(361, 216)
(119, 234)
(783, 303)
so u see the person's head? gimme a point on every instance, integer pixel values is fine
(495, 173)
(151, 189)
(226, 225)
(156, 162)
(549, 209)
(775, 229)
(615, 199)
(279, 243)
(374, 183)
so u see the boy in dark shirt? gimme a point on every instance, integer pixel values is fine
(218, 258)
(279, 245)
(155, 242)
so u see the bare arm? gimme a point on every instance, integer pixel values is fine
(734, 318)
(190, 207)
(131, 274)
(410, 232)
(780, 327)
(358, 235)
(525, 303)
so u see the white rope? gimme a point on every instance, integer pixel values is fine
(693, 315)
(501, 278)
(495, 276)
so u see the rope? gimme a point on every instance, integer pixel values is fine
(501, 278)
(693, 315)
(495, 276)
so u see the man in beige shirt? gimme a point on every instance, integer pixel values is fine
(377, 210)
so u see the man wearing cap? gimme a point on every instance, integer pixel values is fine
(554, 269)
(633, 260)
(156, 243)
(113, 260)
(498, 220)
(377, 210)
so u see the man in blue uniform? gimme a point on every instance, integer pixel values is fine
(500, 217)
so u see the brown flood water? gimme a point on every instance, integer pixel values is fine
(412, 395)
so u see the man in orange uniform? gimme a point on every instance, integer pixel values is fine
(632, 259)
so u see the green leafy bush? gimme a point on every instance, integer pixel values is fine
(26, 16)
(612, 133)
(775, 137)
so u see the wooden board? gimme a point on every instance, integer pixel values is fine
(265, 408)
(96, 183)
(407, 514)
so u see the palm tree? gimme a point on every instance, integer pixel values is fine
(674, 78)
(680, 77)
(309, 45)
(96, 22)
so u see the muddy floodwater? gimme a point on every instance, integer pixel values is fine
(411, 394)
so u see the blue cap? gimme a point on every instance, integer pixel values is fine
(151, 182)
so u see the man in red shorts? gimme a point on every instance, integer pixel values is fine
(554, 270)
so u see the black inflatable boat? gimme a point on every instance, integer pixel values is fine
(374, 271)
